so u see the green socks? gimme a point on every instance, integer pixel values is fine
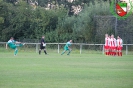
(69, 52)
(63, 52)
(16, 51)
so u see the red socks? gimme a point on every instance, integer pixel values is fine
(113, 53)
(120, 53)
(106, 53)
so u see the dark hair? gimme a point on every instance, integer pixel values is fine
(11, 38)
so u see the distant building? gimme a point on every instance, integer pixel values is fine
(70, 1)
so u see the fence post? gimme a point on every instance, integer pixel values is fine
(80, 48)
(58, 48)
(126, 49)
(103, 48)
(36, 48)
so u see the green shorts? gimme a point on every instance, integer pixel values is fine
(15, 46)
(66, 48)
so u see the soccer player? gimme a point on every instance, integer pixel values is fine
(67, 47)
(106, 46)
(109, 53)
(13, 45)
(119, 46)
(43, 45)
(113, 45)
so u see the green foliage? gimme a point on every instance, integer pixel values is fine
(81, 28)
(22, 21)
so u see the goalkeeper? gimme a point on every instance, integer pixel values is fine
(13, 45)
(42, 46)
(67, 47)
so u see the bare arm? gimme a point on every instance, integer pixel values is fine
(69, 48)
(17, 42)
(43, 43)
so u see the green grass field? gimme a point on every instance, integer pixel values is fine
(30, 70)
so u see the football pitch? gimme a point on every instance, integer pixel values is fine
(30, 70)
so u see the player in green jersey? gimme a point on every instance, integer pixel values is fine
(13, 45)
(67, 47)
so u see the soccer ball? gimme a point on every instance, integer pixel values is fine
(44, 44)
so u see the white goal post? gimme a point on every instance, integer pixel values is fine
(78, 44)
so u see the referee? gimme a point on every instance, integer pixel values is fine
(42, 45)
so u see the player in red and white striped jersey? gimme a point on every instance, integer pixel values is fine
(113, 45)
(109, 53)
(119, 46)
(106, 46)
